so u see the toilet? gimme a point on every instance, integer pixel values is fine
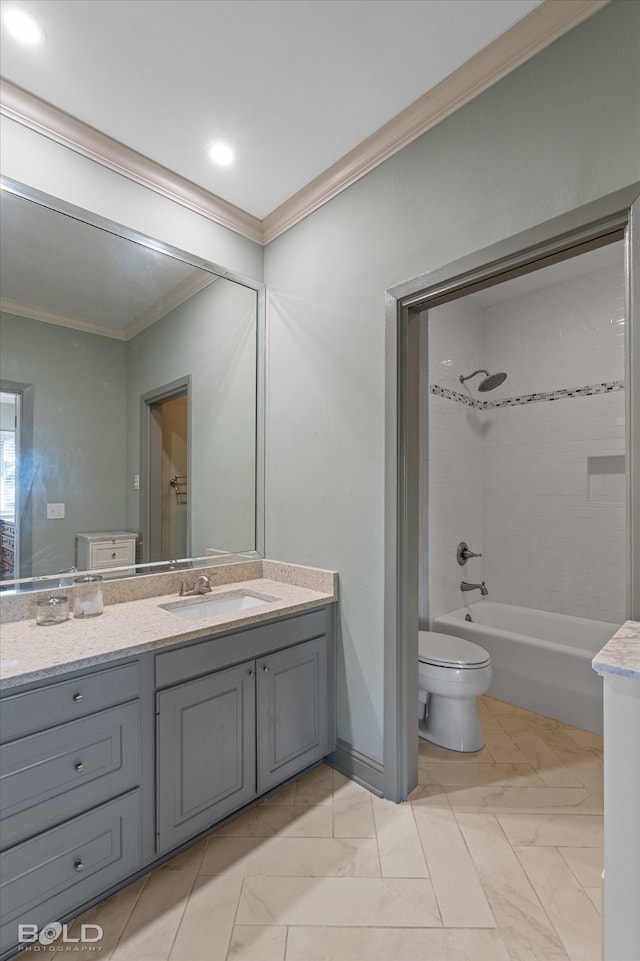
(452, 672)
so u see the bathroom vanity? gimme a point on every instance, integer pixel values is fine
(151, 729)
(619, 665)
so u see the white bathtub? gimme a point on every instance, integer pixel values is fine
(540, 661)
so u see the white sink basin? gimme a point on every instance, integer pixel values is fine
(229, 602)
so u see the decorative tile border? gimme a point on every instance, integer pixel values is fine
(588, 391)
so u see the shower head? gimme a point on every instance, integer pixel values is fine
(490, 382)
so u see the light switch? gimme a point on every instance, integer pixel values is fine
(55, 511)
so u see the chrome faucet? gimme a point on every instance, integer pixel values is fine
(465, 586)
(201, 586)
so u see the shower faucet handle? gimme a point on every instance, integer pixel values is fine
(463, 553)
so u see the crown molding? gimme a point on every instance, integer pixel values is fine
(172, 299)
(522, 41)
(529, 36)
(30, 111)
(46, 316)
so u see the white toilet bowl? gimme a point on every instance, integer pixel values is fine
(452, 672)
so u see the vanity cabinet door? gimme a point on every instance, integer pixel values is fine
(292, 711)
(206, 752)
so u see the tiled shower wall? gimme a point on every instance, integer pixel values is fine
(551, 487)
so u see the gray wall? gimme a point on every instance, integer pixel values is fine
(559, 132)
(212, 337)
(79, 408)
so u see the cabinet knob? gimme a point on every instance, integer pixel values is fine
(79, 766)
(78, 865)
(265, 668)
(249, 672)
(78, 697)
(113, 554)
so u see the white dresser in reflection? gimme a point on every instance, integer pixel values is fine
(106, 549)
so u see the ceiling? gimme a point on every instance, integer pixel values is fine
(292, 85)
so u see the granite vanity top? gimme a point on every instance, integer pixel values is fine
(31, 652)
(621, 655)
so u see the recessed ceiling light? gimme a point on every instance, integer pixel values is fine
(220, 153)
(23, 27)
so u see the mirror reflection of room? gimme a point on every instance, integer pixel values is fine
(91, 324)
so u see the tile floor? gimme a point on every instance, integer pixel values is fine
(497, 857)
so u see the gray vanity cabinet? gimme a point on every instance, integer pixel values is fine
(71, 792)
(292, 711)
(230, 734)
(206, 752)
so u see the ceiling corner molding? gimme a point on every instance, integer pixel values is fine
(30, 111)
(523, 40)
(46, 316)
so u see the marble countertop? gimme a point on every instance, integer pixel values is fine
(621, 655)
(31, 652)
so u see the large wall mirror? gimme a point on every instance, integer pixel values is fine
(129, 396)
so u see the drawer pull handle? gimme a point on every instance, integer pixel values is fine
(265, 668)
(79, 766)
(78, 865)
(113, 554)
(249, 672)
(78, 697)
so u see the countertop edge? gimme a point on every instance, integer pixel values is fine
(185, 635)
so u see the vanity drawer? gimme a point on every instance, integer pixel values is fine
(55, 873)
(191, 660)
(49, 777)
(46, 707)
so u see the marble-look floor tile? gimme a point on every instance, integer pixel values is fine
(533, 799)
(595, 896)
(207, 922)
(315, 786)
(573, 914)
(483, 773)
(352, 809)
(433, 752)
(555, 830)
(456, 884)
(154, 921)
(401, 854)
(524, 925)
(585, 863)
(304, 857)
(285, 820)
(502, 748)
(383, 902)
(284, 795)
(111, 915)
(255, 943)
(382, 944)
(548, 765)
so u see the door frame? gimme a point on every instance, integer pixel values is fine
(25, 473)
(175, 388)
(549, 242)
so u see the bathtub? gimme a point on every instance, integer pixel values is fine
(540, 661)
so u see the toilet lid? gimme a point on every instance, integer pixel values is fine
(447, 650)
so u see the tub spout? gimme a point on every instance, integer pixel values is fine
(465, 586)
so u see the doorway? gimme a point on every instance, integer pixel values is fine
(166, 472)
(612, 218)
(16, 479)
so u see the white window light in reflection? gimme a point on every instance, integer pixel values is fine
(220, 153)
(22, 26)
